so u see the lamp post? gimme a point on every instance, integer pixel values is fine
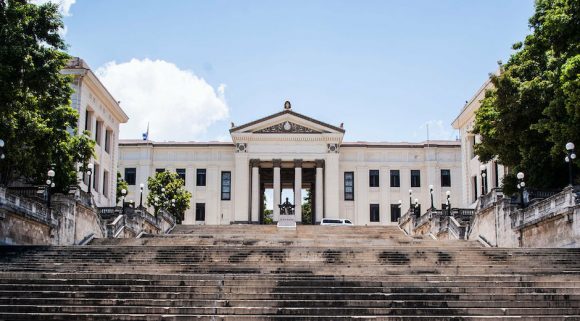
(49, 185)
(156, 204)
(141, 196)
(90, 173)
(2, 156)
(410, 199)
(569, 158)
(483, 170)
(123, 193)
(521, 186)
(448, 193)
(431, 192)
(416, 207)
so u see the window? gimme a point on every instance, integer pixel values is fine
(130, 175)
(445, 178)
(88, 120)
(181, 173)
(415, 178)
(374, 178)
(200, 211)
(472, 145)
(349, 186)
(159, 170)
(200, 179)
(98, 130)
(395, 212)
(496, 175)
(375, 217)
(226, 186)
(96, 176)
(395, 178)
(105, 183)
(108, 137)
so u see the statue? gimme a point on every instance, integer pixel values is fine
(286, 208)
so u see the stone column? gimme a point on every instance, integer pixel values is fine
(255, 163)
(298, 189)
(319, 194)
(277, 191)
(241, 184)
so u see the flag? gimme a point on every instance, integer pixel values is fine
(146, 134)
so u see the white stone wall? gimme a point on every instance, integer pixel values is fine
(147, 157)
(429, 160)
(218, 157)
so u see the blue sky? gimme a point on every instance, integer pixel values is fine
(384, 68)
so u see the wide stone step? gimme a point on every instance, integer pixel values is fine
(329, 311)
(385, 303)
(214, 317)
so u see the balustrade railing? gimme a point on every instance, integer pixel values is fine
(31, 207)
(552, 205)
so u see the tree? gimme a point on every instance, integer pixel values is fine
(534, 108)
(121, 185)
(166, 192)
(307, 208)
(267, 213)
(37, 122)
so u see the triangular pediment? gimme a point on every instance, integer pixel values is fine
(287, 127)
(286, 122)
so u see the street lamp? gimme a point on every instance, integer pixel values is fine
(448, 193)
(416, 207)
(123, 193)
(483, 170)
(2, 156)
(49, 185)
(569, 158)
(141, 196)
(521, 186)
(431, 192)
(410, 199)
(90, 173)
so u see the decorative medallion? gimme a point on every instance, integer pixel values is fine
(241, 148)
(287, 127)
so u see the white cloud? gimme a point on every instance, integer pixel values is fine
(178, 105)
(438, 130)
(64, 5)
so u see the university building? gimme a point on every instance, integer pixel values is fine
(370, 183)
(100, 115)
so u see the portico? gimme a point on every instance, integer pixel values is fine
(276, 174)
(286, 151)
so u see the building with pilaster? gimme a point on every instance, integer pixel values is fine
(288, 153)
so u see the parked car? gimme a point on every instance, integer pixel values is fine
(335, 222)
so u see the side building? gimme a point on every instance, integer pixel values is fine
(100, 115)
(288, 153)
(477, 178)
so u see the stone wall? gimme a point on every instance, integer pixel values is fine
(552, 222)
(17, 229)
(25, 221)
(559, 231)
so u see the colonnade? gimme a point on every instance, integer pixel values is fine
(277, 187)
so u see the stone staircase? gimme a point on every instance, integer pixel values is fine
(246, 272)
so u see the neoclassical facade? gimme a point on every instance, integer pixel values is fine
(368, 183)
(100, 115)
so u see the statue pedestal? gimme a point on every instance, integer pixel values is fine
(287, 222)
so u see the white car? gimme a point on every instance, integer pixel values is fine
(335, 222)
